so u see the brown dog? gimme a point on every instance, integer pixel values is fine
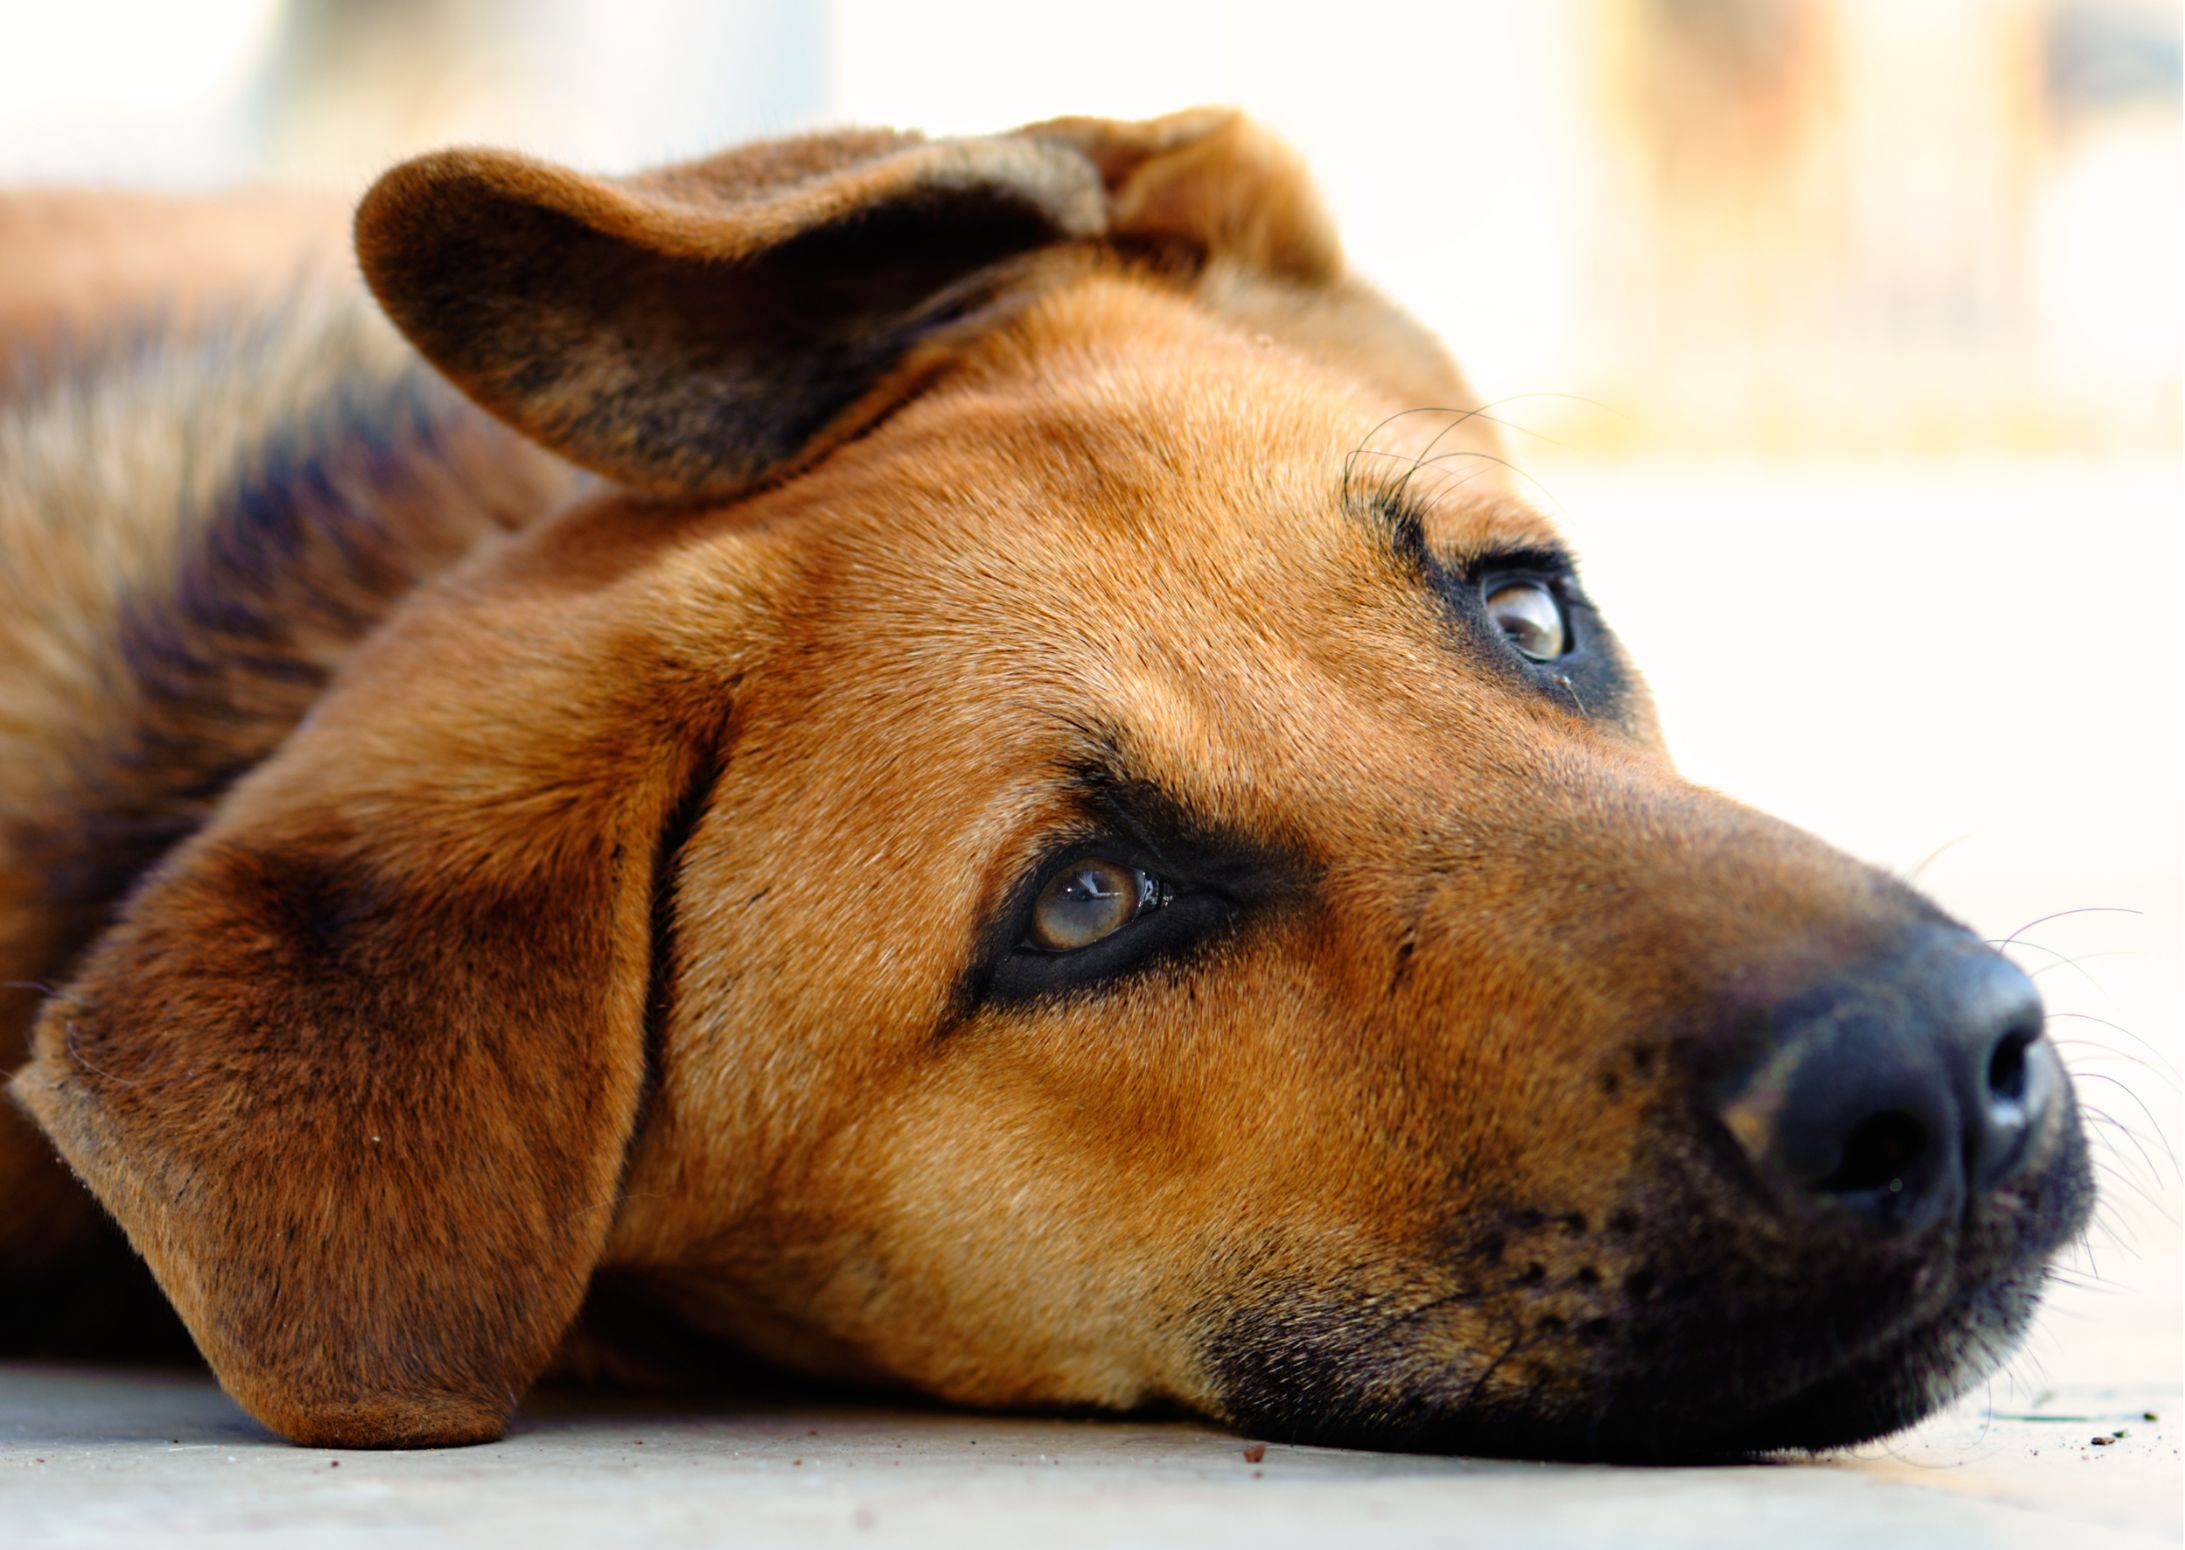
(1050, 830)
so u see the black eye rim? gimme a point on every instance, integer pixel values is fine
(1466, 581)
(1205, 896)
(1592, 679)
(1227, 880)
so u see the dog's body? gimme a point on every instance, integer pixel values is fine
(1053, 832)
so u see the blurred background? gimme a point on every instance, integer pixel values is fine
(1844, 336)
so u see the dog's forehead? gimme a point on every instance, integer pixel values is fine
(1154, 524)
(1118, 446)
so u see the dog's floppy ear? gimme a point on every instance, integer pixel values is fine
(693, 330)
(358, 1065)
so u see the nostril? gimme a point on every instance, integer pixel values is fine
(2007, 1067)
(1881, 1151)
(2022, 1088)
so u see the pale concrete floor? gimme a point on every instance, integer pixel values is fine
(92, 1457)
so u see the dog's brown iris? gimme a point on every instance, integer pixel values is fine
(1086, 901)
(1529, 615)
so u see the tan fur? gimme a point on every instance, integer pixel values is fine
(622, 902)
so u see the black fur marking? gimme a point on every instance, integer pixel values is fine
(699, 375)
(325, 904)
(1400, 522)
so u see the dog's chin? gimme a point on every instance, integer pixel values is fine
(1716, 1405)
(1742, 1409)
(1741, 1364)
(1896, 1386)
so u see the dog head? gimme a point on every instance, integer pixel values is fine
(1059, 835)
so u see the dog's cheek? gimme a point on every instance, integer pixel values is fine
(976, 1250)
(1437, 1209)
(1036, 1216)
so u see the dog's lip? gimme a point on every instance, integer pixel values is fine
(1890, 1382)
(1742, 1367)
(1938, 1295)
(1725, 1405)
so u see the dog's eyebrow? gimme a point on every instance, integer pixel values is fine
(1129, 797)
(1399, 520)
(1395, 518)
(1098, 767)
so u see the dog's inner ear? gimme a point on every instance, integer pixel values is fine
(694, 330)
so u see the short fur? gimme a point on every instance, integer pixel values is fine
(431, 877)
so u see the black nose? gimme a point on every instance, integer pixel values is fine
(1903, 1092)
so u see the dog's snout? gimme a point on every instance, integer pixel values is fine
(1902, 1093)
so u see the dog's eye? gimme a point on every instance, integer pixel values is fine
(1089, 900)
(1530, 616)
